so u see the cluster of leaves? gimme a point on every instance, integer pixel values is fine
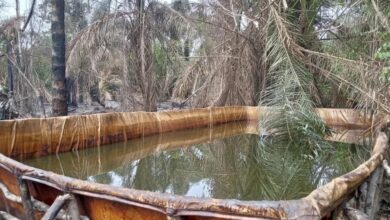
(383, 54)
(289, 88)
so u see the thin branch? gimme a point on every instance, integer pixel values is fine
(29, 15)
(24, 76)
(382, 17)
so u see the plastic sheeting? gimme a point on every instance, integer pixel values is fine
(37, 137)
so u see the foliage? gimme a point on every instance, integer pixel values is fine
(289, 87)
(383, 54)
(41, 62)
(290, 55)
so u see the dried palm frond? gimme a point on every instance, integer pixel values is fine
(186, 83)
(234, 73)
(127, 42)
(96, 55)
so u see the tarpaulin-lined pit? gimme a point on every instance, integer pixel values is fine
(38, 137)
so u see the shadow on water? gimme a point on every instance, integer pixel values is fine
(225, 161)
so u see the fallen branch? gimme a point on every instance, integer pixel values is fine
(26, 199)
(73, 209)
(373, 194)
(38, 205)
(56, 207)
(7, 216)
(355, 214)
(8, 195)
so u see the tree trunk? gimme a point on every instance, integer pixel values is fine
(10, 77)
(147, 83)
(18, 43)
(59, 103)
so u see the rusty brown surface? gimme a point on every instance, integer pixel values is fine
(37, 137)
(16, 209)
(102, 209)
(43, 193)
(10, 182)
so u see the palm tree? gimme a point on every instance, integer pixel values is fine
(59, 92)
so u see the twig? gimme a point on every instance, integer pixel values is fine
(29, 15)
(382, 17)
(24, 76)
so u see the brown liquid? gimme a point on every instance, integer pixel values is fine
(223, 162)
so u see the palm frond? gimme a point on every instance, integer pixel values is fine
(289, 84)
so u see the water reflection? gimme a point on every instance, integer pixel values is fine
(225, 161)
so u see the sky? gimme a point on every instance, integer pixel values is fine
(10, 11)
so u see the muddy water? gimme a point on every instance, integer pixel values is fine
(225, 162)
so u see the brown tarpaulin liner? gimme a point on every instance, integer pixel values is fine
(38, 137)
